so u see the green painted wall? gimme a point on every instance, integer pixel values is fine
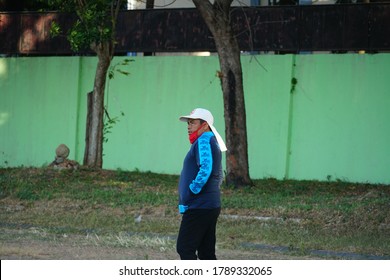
(341, 118)
(334, 125)
(38, 108)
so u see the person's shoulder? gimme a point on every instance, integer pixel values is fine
(208, 138)
(205, 139)
(206, 135)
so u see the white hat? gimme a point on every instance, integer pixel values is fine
(205, 115)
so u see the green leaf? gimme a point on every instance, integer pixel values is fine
(123, 72)
(55, 29)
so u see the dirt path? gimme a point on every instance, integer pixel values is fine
(26, 244)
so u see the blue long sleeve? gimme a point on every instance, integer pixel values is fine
(205, 163)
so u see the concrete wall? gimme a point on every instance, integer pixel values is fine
(334, 124)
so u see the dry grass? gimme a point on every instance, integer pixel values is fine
(98, 209)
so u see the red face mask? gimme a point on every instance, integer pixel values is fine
(194, 135)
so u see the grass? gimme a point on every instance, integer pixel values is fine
(299, 215)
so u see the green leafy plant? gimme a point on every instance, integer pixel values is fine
(55, 29)
(114, 68)
(109, 122)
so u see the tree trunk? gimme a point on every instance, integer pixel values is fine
(93, 155)
(235, 116)
(217, 18)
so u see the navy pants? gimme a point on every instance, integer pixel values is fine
(197, 234)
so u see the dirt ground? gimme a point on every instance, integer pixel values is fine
(30, 244)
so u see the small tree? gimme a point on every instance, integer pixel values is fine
(217, 18)
(95, 29)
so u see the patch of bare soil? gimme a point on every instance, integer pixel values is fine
(31, 244)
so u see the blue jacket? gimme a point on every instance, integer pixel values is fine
(201, 176)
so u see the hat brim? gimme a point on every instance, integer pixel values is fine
(186, 118)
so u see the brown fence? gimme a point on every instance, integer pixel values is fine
(349, 27)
